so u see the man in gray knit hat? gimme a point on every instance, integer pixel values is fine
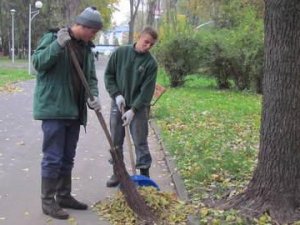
(60, 103)
(90, 17)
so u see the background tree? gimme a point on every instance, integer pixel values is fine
(5, 30)
(134, 6)
(199, 11)
(54, 13)
(274, 187)
(151, 6)
(171, 13)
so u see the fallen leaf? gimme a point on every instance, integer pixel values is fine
(72, 221)
(20, 143)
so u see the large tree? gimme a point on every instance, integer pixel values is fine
(275, 185)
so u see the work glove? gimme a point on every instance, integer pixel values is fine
(128, 117)
(63, 37)
(120, 101)
(95, 104)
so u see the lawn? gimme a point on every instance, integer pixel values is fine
(12, 72)
(212, 135)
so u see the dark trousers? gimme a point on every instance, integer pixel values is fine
(59, 147)
(139, 132)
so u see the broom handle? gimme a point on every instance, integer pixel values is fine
(130, 150)
(88, 91)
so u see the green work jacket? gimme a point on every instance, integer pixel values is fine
(133, 75)
(54, 89)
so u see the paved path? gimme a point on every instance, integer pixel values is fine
(20, 156)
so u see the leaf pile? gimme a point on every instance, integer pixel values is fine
(10, 88)
(165, 205)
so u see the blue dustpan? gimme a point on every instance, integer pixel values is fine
(139, 180)
(143, 181)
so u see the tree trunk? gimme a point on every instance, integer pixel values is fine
(71, 10)
(274, 187)
(131, 32)
(134, 5)
(151, 11)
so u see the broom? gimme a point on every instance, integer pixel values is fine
(133, 198)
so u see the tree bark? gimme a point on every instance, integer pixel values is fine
(151, 11)
(274, 187)
(134, 5)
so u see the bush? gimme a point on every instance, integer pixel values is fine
(179, 57)
(232, 54)
(235, 53)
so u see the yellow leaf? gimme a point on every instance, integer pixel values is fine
(203, 212)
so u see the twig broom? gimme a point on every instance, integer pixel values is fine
(133, 198)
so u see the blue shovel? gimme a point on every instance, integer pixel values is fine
(139, 180)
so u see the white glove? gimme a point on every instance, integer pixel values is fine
(128, 117)
(95, 104)
(63, 36)
(120, 101)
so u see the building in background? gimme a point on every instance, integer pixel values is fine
(118, 35)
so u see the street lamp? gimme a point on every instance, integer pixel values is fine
(32, 14)
(12, 11)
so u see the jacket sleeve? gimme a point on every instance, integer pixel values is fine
(93, 81)
(47, 53)
(147, 88)
(110, 76)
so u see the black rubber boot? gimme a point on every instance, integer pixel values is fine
(145, 172)
(49, 205)
(64, 197)
(113, 181)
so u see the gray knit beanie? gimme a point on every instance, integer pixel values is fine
(90, 17)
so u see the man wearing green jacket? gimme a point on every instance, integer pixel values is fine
(60, 102)
(130, 79)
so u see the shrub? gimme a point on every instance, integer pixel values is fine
(235, 53)
(179, 57)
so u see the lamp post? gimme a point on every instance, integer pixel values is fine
(32, 14)
(12, 11)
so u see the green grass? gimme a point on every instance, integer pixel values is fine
(12, 72)
(213, 135)
(10, 75)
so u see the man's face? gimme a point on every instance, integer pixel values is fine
(144, 43)
(88, 34)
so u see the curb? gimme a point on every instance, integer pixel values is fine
(178, 182)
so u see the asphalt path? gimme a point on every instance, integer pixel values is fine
(20, 157)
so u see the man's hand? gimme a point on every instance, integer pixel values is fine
(120, 101)
(63, 37)
(95, 104)
(128, 117)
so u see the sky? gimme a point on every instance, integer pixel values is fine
(122, 15)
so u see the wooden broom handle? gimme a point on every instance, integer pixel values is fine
(129, 143)
(88, 91)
